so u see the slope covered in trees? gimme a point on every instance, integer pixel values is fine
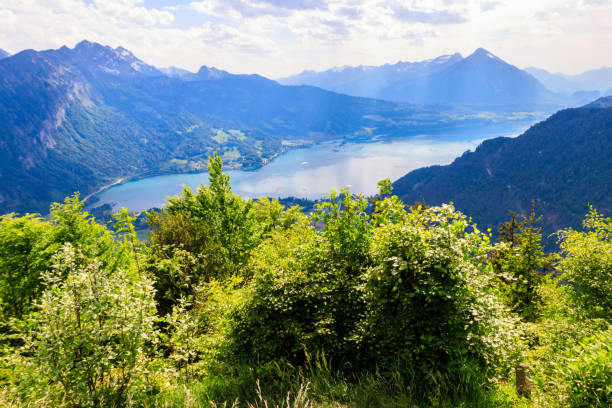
(564, 163)
(241, 303)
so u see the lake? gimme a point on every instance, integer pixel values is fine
(313, 171)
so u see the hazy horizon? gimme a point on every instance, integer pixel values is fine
(278, 38)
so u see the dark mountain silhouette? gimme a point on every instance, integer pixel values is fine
(563, 163)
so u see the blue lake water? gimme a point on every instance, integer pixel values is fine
(313, 171)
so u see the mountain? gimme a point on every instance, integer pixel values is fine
(601, 103)
(582, 97)
(370, 81)
(564, 163)
(593, 80)
(203, 73)
(481, 79)
(77, 119)
(3, 54)
(179, 73)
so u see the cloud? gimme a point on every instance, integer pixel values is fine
(280, 37)
(257, 8)
(489, 5)
(352, 13)
(437, 17)
(133, 11)
(296, 4)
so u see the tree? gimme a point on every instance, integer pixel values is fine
(89, 337)
(20, 262)
(27, 246)
(522, 263)
(182, 255)
(229, 219)
(587, 263)
(509, 230)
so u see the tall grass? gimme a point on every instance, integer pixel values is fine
(317, 385)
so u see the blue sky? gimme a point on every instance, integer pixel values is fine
(282, 37)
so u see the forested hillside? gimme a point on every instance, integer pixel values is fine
(363, 303)
(76, 119)
(563, 163)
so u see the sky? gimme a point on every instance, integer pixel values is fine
(277, 38)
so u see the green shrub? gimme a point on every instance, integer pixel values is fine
(229, 220)
(181, 256)
(86, 344)
(431, 299)
(20, 284)
(587, 372)
(399, 291)
(306, 296)
(27, 245)
(587, 263)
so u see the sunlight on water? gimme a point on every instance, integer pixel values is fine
(312, 172)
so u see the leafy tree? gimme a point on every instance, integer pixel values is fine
(90, 334)
(20, 284)
(182, 255)
(522, 263)
(271, 214)
(431, 301)
(27, 246)
(587, 263)
(229, 219)
(305, 297)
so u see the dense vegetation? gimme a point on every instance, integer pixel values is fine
(562, 162)
(363, 303)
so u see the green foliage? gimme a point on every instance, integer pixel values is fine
(182, 254)
(27, 245)
(182, 337)
(271, 214)
(432, 303)
(89, 336)
(229, 219)
(304, 296)
(391, 288)
(522, 263)
(587, 372)
(384, 186)
(365, 303)
(20, 239)
(587, 263)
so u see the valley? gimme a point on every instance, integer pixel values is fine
(305, 204)
(311, 172)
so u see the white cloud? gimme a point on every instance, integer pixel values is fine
(280, 37)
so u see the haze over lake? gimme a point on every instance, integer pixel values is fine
(312, 172)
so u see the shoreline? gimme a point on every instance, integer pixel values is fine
(104, 187)
(339, 141)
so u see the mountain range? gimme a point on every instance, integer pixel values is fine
(563, 163)
(481, 79)
(77, 119)
(3, 54)
(597, 81)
